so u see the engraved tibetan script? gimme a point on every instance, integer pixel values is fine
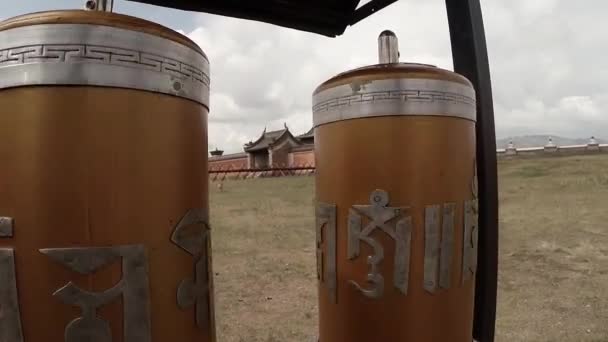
(10, 315)
(447, 245)
(6, 227)
(192, 235)
(471, 230)
(438, 249)
(380, 217)
(326, 259)
(134, 288)
(431, 247)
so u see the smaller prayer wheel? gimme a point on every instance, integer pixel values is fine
(396, 216)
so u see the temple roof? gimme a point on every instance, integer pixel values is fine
(309, 134)
(216, 152)
(326, 17)
(267, 139)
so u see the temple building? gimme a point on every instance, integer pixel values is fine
(272, 149)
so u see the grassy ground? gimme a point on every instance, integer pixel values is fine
(553, 282)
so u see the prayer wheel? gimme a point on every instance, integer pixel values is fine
(104, 231)
(396, 212)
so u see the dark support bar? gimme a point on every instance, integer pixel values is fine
(470, 55)
(369, 9)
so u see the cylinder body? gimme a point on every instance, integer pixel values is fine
(396, 211)
(104, 191)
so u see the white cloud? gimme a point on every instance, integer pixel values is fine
(547, 63)
(581, 104)
(536, 117)
(547, 59)
(535, 8)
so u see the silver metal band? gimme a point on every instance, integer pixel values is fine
(81, 54)
(394, 97)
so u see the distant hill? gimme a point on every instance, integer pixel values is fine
(541, 140)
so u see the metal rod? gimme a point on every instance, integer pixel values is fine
(99, 5)
(388, 47)
(470, 56)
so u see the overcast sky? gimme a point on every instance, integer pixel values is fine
(549, 71)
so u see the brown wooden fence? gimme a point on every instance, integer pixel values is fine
(221, 174)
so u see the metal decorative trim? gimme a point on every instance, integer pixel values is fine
(6, 226)
(471, 232)
(134, 288)
(438, 251)
(431, 247)
(90, 55)
(403, 244)
(380, 217)
(10, 314)
(192, 235)
(326, 259)
(394, 97)
(10, 319)
(469, 254)
(447, 245)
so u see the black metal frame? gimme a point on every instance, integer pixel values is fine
(369, 9)
(470, 56)
(326, 17)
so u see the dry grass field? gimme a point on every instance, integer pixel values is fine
(553, 283)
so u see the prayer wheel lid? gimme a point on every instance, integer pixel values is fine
(391, 88)
(389, 67)
(104, 49)
(99, 18)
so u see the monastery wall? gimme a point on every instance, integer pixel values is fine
(230, 161)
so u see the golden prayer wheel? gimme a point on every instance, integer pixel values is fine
(104, 230)
(397, 203)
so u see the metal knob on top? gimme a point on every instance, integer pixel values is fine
(99, 5)
(392, 88)
(388, 47)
